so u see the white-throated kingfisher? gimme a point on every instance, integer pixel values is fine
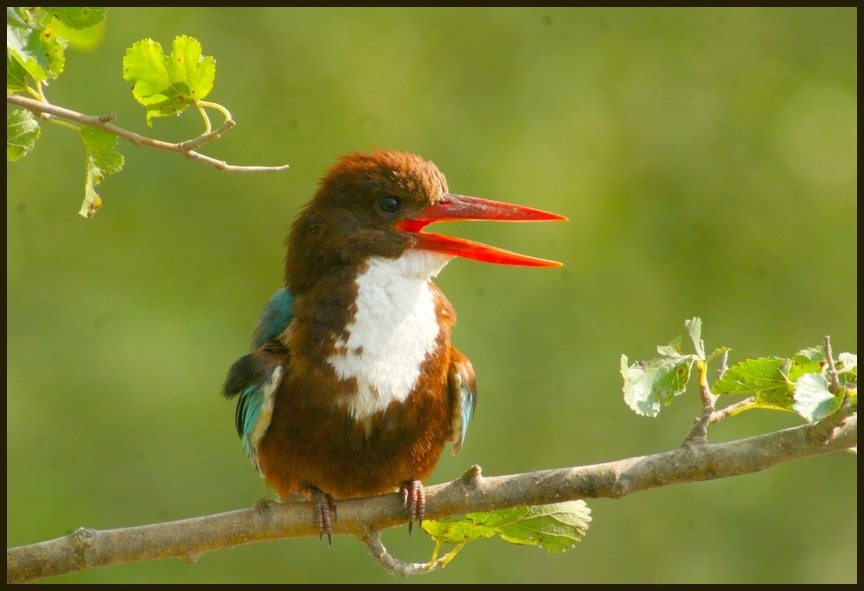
(352, 387)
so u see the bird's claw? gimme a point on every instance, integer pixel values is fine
(325, 513)
(414, 499)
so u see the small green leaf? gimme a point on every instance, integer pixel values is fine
(802, 366)
(188, 65)
(22, 131)
(814, 354)
(16, 75)
(852, 393)
(79, 18)
(167, 85)
(456, 531)
(46, 48)
(19, 50)
(555, 528)
(694, 329)
(813, 399)
(718, 352)
(650, 384)
(102, 160)
(82, 28)
(17, 16)
(848, 363)
(673, 349)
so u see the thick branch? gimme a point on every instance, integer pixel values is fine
(189, 538)
(187, 148)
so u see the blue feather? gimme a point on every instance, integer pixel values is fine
(275, 318)
(468, 405)
(256, 376)
(254, 411)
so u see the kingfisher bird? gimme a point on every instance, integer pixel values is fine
(352, 387)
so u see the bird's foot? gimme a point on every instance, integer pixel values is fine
(414, 499)
(325, 513)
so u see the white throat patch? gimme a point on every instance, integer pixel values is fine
(393, 331)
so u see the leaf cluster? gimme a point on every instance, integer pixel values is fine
(36, 41)
(811, 382)
(167, 84)
(802, 383)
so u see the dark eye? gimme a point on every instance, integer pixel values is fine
(390, 204)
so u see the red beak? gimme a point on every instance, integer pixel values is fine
(453, 208)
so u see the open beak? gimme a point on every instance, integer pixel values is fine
(453, 208)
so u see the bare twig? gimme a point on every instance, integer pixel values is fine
(189, 538)
(721, 371)
(832, 370)
(48, 111)
(728, 411)
(393, 564)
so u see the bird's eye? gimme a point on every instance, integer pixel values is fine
(390, 204)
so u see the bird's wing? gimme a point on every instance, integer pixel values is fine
(274, 319)
(256, 377)
(463, 396)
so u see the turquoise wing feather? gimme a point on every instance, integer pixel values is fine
(256, 377)
(275, 318)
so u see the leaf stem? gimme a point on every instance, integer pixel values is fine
(218, 107)
(207, 126)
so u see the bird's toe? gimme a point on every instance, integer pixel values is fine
(414, 499)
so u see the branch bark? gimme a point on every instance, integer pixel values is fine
(187, 539)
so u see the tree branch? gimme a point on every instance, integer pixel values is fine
(48, 111)
(267, 520)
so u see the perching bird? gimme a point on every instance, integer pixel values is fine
(352, 387)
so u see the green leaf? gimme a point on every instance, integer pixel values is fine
(20, 56)
(82, 28)
(102, 160)
(694, 329)
(167, 85)
(79, 18)
(457, 531)
(650, 384)
(27, 17)
(813, 399)
(17, 16)
(800, 366)
(673, 349)
(16, 75)
(852, 393)
(848, 363)
(766, 378)
(717, 353)
(815, 354)
(41, 53)
(22, 131)
(555, 528)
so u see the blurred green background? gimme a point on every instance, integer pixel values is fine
(707, 160)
